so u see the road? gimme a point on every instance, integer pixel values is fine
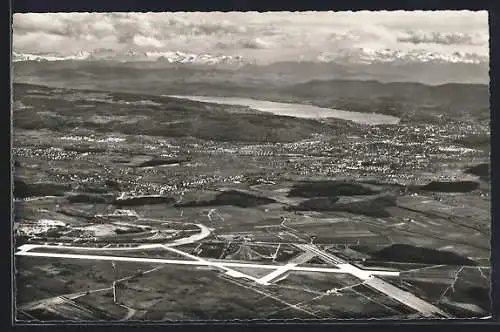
(73, 296)
(205, 231)
(28, 247)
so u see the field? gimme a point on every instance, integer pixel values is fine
(152, 208)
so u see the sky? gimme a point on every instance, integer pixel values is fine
(264, 37)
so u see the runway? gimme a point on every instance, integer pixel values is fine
(214, 263)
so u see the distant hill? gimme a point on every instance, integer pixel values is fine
(408, 100)
(451, 187)
(328, 189)
(64, 110)
(23, 189)
(372, 207)
(393, 68)
(412, 254)
(476, 141)
(235, 198)
(382, 87)
(481, 170)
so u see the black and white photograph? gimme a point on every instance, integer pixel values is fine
(250, 166)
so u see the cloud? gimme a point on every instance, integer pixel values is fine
(256, 43)
(420, 37)
(40, 41)
(269, 35)
(143, 41)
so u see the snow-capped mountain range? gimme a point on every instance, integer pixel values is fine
(17, 57)
(342, 56)
(133, 56)
(368, 56)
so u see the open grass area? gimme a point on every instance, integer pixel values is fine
(38, 278)
(194, 294)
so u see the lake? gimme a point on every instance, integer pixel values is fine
(296, 110)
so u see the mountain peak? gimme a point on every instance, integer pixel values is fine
(364, 55)
(344, 56)
(132, 55)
